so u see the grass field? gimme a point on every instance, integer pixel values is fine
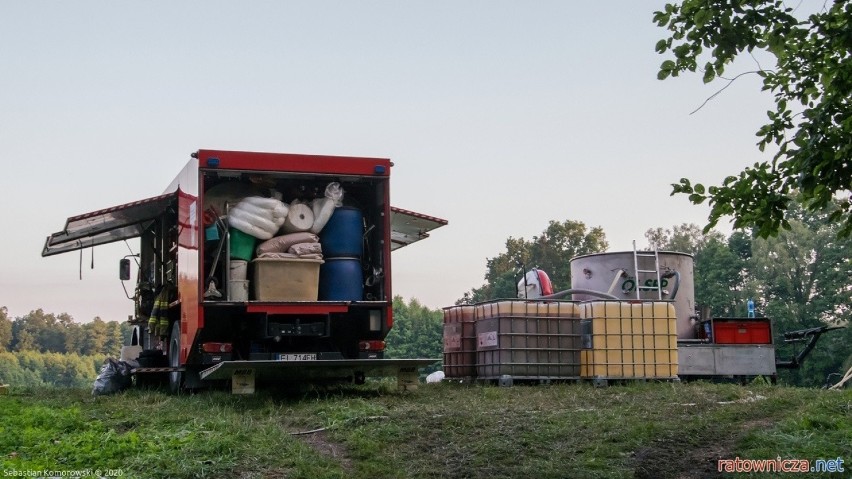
(653, 430)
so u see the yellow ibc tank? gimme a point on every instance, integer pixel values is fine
(459, 342)
(626, 339)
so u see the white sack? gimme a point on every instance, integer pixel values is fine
(322, 208)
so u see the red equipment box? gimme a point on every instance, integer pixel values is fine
(742, 331)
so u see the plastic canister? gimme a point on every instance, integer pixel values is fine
(341, 279)
(238, 290)
(343, 235)
(239, 268)
(242, 244)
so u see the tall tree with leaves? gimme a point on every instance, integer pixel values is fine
(95, 336)
(685, 238)
(35, 332)
(5, 330)
(803, 280)
(720, 264)
(551, 251)
(417, 332)
(722, 275)
(114, 340)
(811, 82)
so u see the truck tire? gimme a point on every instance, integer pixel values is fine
(175, 377)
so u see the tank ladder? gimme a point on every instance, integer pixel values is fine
(656, 271)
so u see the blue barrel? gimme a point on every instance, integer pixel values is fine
(341, 280)
(342, 236)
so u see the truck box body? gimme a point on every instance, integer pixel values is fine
(178, 253)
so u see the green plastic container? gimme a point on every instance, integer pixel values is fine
(242, 245)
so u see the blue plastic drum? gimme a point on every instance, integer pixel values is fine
(341, 279)
(343, 235)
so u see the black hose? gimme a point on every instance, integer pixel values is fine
(676, 285)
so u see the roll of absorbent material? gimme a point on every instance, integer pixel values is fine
(299, 218)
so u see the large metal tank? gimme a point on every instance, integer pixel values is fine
(614, 273)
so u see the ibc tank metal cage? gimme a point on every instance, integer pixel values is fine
(459, 342)
(527, 340)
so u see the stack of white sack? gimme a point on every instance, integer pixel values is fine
(303, 245)
(258, 216)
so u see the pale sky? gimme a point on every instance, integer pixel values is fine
(499, 116)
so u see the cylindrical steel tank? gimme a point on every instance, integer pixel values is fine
(605, 271)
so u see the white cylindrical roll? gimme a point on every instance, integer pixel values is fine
(299, 218)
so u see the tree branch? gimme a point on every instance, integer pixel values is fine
(730, 82)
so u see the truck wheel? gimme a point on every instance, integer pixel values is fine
(175, 377)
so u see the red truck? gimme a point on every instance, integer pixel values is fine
(289, 316)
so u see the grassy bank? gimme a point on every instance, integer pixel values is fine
(448, 430)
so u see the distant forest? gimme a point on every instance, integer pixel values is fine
(41, 349)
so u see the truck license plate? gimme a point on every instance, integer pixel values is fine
(297, 357)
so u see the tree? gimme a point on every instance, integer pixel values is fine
(417, 332)
(811, 83)
(27, 331)
(721, 275)
(802, 280)
(5, 330)
(686, 238)
(720, 264)
(95, 336)
(115, 339)
(551, 252)
(74, 338)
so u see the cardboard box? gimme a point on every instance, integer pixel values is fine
(286, 279)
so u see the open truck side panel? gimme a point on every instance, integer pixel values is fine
(176, 265)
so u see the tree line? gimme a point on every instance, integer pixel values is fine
(45, 349)
(50, 333)
(34, 369)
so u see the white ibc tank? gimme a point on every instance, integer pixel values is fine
(602, 271)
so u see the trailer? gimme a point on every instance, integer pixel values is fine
(210, 306)
(713, 348)
(628, 316)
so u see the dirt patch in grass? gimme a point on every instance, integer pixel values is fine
(691, 454)
(320, 442)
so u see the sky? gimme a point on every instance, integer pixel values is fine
(499, 117)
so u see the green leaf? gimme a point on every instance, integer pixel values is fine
(701, 17)
(697, 199)
(709, 73)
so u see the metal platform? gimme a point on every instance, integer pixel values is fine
(726, 360)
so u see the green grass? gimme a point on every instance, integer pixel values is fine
(448, 430)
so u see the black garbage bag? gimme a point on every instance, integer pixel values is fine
(114, 377)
